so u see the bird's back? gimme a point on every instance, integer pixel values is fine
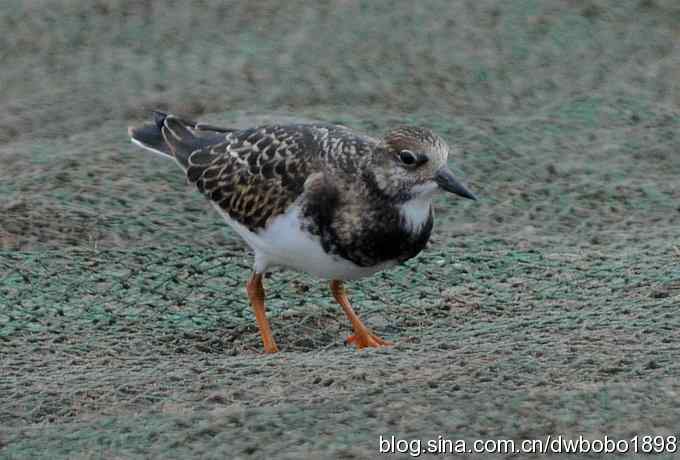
(255, 174)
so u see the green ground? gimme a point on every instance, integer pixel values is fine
(550, 306)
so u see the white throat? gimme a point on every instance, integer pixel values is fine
(416, 211)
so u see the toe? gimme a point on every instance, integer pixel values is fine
(366, 341)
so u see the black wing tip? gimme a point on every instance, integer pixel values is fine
(159, 118)
(217, 129)
(150, 135)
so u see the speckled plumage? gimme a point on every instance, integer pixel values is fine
(256, 174)
(350, 191)
(313, 197)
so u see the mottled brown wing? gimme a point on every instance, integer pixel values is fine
(255, 174)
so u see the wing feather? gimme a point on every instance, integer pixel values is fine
(257, 173)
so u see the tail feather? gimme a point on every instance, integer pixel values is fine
(175, 137)
(150, 137)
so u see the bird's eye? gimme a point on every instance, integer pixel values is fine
(407, 157)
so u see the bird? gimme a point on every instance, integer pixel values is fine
(318, 197)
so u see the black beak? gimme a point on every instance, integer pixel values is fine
(446, 181)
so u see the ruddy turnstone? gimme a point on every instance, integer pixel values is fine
(317, 198)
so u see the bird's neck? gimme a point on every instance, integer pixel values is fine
(415, 213)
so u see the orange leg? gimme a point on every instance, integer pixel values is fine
(256, 296)
(362, 337)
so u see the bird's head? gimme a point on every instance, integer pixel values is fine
(413, 165)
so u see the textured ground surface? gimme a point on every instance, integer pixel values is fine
(551, 306)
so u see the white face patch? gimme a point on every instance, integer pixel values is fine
(424, 191)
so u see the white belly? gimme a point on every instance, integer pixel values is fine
(284, 244)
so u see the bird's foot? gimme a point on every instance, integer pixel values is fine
(368, 339)
(271, 348)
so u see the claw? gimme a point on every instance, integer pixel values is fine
(369, 340)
